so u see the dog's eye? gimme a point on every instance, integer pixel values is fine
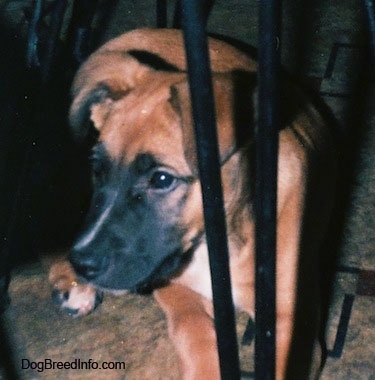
(162, 180)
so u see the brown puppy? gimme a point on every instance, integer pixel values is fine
(145, 227)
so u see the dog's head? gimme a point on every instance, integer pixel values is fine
(145, 219)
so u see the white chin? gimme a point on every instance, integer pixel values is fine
(116, 292)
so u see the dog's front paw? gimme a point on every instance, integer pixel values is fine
(79, 300)
(74, 298)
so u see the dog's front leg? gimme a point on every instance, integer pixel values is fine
(297, 306)
(192, 331)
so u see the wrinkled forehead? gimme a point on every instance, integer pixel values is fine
(144, 123)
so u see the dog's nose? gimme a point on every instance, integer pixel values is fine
(89, 267)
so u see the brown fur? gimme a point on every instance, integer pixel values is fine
(138, 109)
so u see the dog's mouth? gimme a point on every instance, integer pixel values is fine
(130, 272)
(171, 267)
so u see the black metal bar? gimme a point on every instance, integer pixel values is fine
(43, 62)
(266, 149)
(161, 14)
(342, 328)
(193, 20)
(177, 15)
(7, 351)
(80, 29)
(32, 58)
(370, 14)
(206, 9)
(48, 59)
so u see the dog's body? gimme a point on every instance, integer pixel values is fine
(145, 228)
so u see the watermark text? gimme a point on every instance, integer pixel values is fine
(75, 364)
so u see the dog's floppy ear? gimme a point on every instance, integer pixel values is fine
(234, 106)
(102, 80)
